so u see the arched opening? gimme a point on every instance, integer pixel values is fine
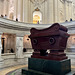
(71, 43)
(37, 16)
(8, 43)
(27, 44)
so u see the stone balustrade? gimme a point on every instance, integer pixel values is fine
(21, 26)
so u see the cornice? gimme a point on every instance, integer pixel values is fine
(20, 26)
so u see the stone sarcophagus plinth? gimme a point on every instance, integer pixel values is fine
(55, 61)
(53, 38)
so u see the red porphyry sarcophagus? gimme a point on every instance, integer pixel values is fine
(53, 38)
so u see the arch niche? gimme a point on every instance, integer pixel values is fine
(37, 16)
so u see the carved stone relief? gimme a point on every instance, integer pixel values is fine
(38, 3)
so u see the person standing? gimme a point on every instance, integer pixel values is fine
(16, 19)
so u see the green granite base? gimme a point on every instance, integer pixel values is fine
(37, 66)
(33, 72)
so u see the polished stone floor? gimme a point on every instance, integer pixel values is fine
(18, 72)
(13, 62)
(9, 65)
(12, 70)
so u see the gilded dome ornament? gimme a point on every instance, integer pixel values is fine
(37, 9)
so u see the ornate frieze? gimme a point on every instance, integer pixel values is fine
(37, 3)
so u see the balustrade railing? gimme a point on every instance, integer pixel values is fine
(6, 23)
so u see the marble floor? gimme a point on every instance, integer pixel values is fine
(18, 72)
(8, 70)
(12, 64)
(9, 65)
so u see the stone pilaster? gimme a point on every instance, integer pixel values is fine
(45, 6)
(5, 5)
(55, 9)
(50, 11)
(2, 7)
(19, 47)
(21, 13)
(20, 10)
(25, 11)
(15, 9)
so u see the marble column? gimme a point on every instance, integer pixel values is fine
(5, 5)
(45, 6)
(15, 10)
(50, 11)
(19, 47)
(19, 10)
(55, 11)
(25, 11)
(0, 49)
(2, 7)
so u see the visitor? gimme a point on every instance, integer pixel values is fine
(38, 22)
(2, 16)
(5, 16)
(66, 21)
(2, 51)
(11, 51)
(16, 19)
(24, 49)
(70, 19)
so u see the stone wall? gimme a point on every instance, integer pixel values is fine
(52, 10)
